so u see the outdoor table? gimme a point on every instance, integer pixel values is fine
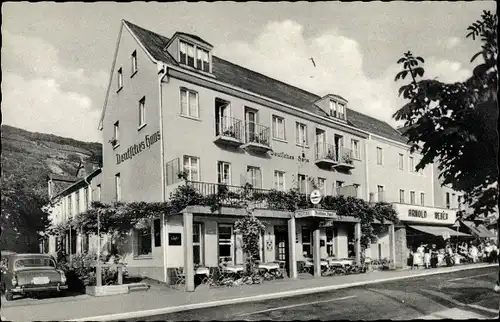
(233, 269)
(269, 266)
(340, 262)
(202, 271)
(310, 264)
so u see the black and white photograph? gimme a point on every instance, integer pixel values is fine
(248, 161)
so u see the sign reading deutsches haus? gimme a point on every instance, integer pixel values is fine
(135, 149)
(430, 215)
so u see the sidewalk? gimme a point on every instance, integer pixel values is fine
(160, 299)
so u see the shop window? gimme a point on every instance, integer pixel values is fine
(306, 242)
(143, 241)
(198, 244)
(226, 243)
(157, 232)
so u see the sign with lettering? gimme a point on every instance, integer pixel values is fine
(174, 239)
(287, 156)
(316, 213)
(421, 214)
(135, 149)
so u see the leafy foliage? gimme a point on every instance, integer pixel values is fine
(456, 124)
(22, 218)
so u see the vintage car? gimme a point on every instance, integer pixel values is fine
(30, 274)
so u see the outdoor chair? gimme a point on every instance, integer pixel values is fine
(211, 278)
(180, 277)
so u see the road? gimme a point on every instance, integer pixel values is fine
(458, 295)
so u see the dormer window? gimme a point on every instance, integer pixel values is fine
(202, 62)
(187, 54)
(337, 109)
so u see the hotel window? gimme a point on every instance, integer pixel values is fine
(412, 164)
(379, 156)
(225, 234)
(448, 200)
(157, 232)
(120, 78)
(401, 162)
(134, 62)
(202, 62)
(337, 110)
(279, 180)
(198, 244)
(322, 185)
(301, 133)
(86, 202)
(422, 199)
(459, 201)
(356, 153)
(452, 200)
(186, 54)
(70, 207)
(278, 127)
(118, 190)
(116, 134)
(412, 197)
(189, 103)
(98, 192)
(401, 196)
(306, 242)
(338, 185)
(254, 176)
(302, 181)
(192, 168)
(380, 193)
(142, 112)
(77, 202)
(223, 172)
(144, 241)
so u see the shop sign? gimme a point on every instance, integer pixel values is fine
(315, 213)
(135, 149)
(421, 214)
(326, 223)
(315, 197)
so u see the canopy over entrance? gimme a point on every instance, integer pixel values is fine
(439, 231)
(480, 231)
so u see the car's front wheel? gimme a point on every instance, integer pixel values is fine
(8, 295)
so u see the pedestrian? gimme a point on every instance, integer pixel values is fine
(474, 253)
(494, 254)
(427, 257)
(434, 256)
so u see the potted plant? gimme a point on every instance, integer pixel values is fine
(229, 132)
(346, 158)
(330, 155)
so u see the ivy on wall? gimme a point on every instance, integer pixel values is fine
(119, 218)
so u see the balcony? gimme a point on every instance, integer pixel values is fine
(344, 159)
(257, 138)
(348, 191)
(325, 155)
(229, 130)
(231, 196)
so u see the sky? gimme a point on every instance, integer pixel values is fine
(57, 57)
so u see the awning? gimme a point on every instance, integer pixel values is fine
(480, 231)
(439, 231)
(484, 232)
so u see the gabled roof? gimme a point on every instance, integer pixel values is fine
(238, 76)
(77, 184)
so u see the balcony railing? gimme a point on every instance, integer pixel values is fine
(325, 154)
(257, 136)
(344, 159)
(348, 191)
(231, 196)
(229, 130)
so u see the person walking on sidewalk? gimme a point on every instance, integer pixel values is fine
(427, 257)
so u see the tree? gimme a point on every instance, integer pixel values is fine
(456, 124)
(23, 216)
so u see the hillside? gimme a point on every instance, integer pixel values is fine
(33, 156)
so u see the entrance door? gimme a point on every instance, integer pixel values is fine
(281, 244)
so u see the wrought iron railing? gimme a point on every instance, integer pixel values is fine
(256, 133)
(325, 151)
(229, 127)
(231, 196)
(344, 155)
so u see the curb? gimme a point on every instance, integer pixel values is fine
(188, 307)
